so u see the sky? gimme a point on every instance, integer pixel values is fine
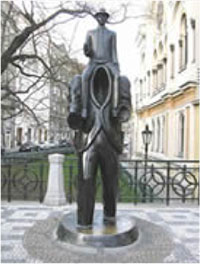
(126, 31)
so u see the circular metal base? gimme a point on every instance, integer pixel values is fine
(121, 233)
(154, 245)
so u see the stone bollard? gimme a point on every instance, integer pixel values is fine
(55, 194)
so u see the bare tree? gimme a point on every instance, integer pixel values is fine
(27, 60)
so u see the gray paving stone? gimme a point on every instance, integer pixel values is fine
(7, 213)
(6, 248)
(11, 237)
(191, 240)
(183, 255)
(181, 223)
(155, 217)
(180, 216)
(35, 208)
(20, 228)
(21, 220)
(185, 223)
(196, 214)
(184, 211)
(153, 245)
(192, 230)
(30, 214)
(13, 260)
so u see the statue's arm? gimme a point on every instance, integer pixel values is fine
(114, 50)
(125, 106)
(87, 48)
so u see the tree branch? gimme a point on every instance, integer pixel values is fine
(6, 57)
(23, 57)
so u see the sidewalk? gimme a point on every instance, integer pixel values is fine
(182, 223)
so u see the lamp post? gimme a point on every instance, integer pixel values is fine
(146, 137)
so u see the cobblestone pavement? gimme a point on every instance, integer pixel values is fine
(182, 223)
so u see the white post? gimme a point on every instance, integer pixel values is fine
(55, 194)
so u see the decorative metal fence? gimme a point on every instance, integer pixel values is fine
(23, 179)
(162, 181)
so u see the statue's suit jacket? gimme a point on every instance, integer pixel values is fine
(100, 118)
(100, 46)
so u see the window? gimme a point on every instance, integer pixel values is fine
(40, 135)
(45, 135)
(19, 136)
(149, 82)
(141, 90)
(153, 136)
(164, 71)
(160, 66)
(183, 43)
(172, 60)
(158, 135)
(160, 12)
(29, 134)
(155, 72)
(193, 24)
(8, 140)
(163, 135)
(181, 134)
(145, 87)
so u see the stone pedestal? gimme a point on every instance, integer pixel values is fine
(55, 194)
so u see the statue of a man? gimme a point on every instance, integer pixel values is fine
(100, 47)
(94, 96)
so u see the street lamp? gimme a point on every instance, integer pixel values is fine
(146, 136)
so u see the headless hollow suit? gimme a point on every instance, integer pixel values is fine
(102, 149)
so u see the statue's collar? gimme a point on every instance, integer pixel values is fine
(101, 27)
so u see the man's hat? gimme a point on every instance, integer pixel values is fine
(102, 11)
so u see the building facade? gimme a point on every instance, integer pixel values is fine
(38, 111)
(167, 91)
(64, 69)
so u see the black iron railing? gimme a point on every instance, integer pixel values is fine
(23, 179)
(162, 181)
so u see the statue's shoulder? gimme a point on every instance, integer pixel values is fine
(92, 31)
(111, 32)
(89, 32)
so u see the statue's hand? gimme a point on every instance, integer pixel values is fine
(124, 113)
(87, 50)
(75, 121)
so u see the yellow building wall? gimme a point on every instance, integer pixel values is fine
(170, 105)
(196, 133)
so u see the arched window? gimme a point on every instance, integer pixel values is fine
(181, 134)
(183, 43)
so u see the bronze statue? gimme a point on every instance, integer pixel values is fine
(100, 47)
(100, 102)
